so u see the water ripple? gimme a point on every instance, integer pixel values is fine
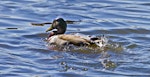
(24, 53)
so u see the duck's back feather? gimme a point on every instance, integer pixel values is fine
(77, 40)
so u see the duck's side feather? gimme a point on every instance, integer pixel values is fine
(56, 40)
(64, 39)
(76, 40)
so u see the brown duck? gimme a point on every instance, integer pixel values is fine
(59, 38)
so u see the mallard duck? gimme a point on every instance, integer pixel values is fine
(59, 38)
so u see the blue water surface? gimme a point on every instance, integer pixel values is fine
(24, 53)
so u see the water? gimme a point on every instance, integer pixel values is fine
(24, 53)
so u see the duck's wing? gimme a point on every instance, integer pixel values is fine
(77, 40)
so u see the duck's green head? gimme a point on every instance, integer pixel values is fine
(58, 24)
